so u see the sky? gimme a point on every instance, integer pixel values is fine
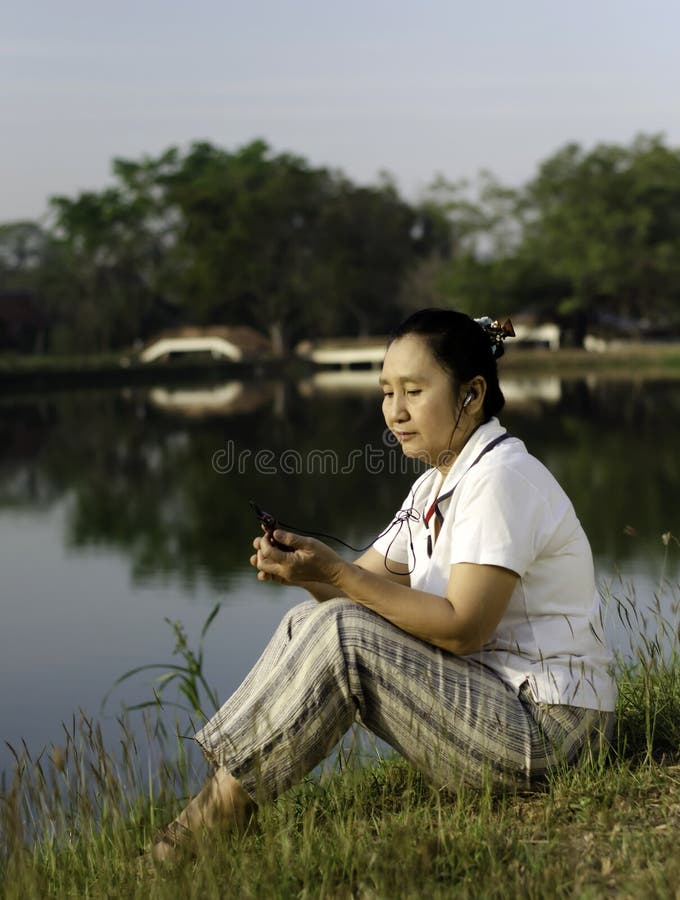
(413, 87)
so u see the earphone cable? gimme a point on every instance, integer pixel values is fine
(402, 517)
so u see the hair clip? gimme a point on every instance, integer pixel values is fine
(496, 332)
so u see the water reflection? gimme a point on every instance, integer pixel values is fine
(226, 399)
(531, 394)
(115, 513)
(138, 466)
(528, 393)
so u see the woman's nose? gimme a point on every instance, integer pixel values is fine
(399, 408)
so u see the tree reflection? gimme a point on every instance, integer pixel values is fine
(139, 477)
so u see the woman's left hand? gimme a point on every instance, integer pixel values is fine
(309, 560)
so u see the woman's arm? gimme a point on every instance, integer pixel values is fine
(371, 561)
(461, 621)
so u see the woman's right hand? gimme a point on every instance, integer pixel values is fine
(301, 561)
(264, 576)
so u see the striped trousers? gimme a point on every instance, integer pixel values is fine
(331, 664)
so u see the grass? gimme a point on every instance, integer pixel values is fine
(72, 821)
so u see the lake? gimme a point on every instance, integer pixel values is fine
(122, 508)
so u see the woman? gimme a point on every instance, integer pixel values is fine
(466, 637)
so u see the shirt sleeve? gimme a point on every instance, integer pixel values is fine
(501, 519)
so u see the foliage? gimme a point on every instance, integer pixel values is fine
(607, 223)
(22, 250)
(218, 237)
(212, 236)
(188, 678)
(594, 236)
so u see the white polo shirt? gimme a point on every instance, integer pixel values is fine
(508, 510)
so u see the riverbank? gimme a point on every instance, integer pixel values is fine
(43, 373)
(630, 360)
(604, 828)
(46, 373)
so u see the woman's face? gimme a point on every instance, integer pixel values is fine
(419, 404)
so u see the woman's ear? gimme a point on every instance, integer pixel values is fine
(474, 394)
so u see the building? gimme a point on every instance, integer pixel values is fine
(237, 343)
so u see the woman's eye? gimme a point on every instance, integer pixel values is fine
(387, 394)
(413, 393)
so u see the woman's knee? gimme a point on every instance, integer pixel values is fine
(317, 616)
(342, 609)
(344, 618)
(296, 616)
(337, 626)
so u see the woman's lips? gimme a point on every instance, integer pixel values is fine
(405, 435)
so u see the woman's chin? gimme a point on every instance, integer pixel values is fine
(412, 451)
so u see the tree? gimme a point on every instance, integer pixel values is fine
(115, 244)
(606, 226)
(248, 235)
(483, 223)
(23, 246)
(211, 236)
(291, 249)
(371, 240)
(593, 234)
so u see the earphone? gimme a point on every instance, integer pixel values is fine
(471, 394)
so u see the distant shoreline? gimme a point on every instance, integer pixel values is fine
(630, 360)
(57, 372)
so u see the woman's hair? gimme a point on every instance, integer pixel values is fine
(461, 347)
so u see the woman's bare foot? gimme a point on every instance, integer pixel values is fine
(221, 803)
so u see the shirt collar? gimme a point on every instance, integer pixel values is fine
(486, 433)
